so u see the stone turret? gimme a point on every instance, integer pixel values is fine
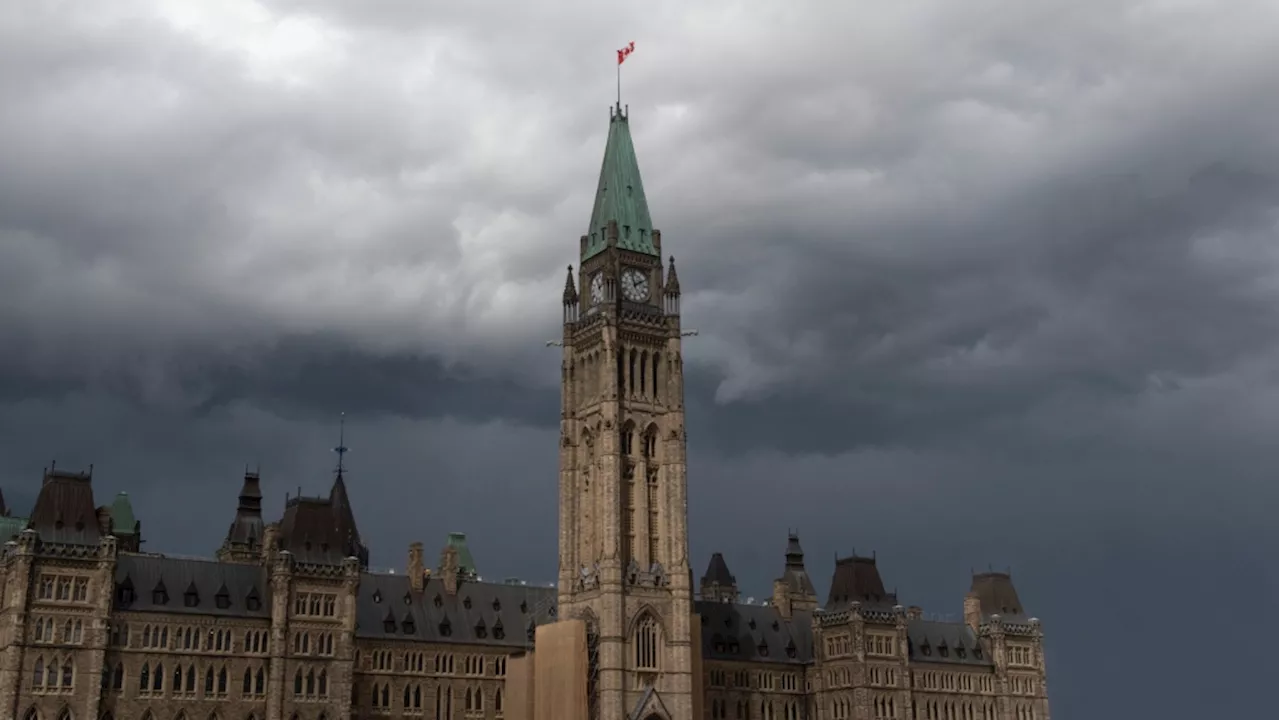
(794, 590)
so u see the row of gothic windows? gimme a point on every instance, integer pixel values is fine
(305, 644)
(151, 681)
(790, 710)
(189, 638)
(311, 685)
(56, 674)
(473, 699)
(46, 631)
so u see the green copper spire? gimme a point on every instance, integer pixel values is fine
(123, 521)
(620, 195)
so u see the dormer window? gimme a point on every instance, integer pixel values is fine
(160, 595)
(377, 596)
(960, 652)
(389, 625)
(499, 632)
(481, 631)
(942, 650)
(252, 602)
(524, 607)
(497, 606)
(446, 629)
(222, 599)
(408, 598)
(977, 652)
(466, 602)
(764, 649)
(438, 601)
(408, 625)
(751, 623)
(791, 649)
(926, 650)
(124, 593)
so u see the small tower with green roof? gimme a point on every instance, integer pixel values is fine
(124, 525)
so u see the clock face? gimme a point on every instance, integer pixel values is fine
(597, 289)
(635, 285)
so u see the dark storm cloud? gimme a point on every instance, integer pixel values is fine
(975, 283)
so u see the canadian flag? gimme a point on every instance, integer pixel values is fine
(624, 52)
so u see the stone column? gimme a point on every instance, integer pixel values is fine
(97, 634)
(20, 557)
(281, 596)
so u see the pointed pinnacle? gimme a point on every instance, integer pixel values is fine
(673, 282)
(570, 292)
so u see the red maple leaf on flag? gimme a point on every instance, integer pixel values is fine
(624, 52)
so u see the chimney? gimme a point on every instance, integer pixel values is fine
(104, 520)
(782, 598)
(449, 569)
(972, 611)
(915, 612)
(417, 576)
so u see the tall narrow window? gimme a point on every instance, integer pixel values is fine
(646, 644)
(651, 490)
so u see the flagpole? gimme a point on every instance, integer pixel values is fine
(619, 83)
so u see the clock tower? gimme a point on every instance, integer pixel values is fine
(624, 560)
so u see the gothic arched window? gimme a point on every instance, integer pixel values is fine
(646, 643)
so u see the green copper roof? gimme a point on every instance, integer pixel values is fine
(620, 196)
(11, 527)
(122, 520)
(466, 565)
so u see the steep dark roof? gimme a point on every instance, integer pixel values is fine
(178, 576)
(953, 643)
(718, 572)
(480, 613)
(247, 527)
(996, 594)
(754, 633)
(65, 511)
(856, 578)
(322, 530)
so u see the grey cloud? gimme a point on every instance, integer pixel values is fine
(992, 283)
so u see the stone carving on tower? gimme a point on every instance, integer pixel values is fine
(624, 563)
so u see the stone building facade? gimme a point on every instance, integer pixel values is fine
(288, 622)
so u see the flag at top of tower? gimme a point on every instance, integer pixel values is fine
(624, 52)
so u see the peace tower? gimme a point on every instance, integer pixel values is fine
(624, 561)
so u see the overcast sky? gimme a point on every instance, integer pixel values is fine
(980, 283)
